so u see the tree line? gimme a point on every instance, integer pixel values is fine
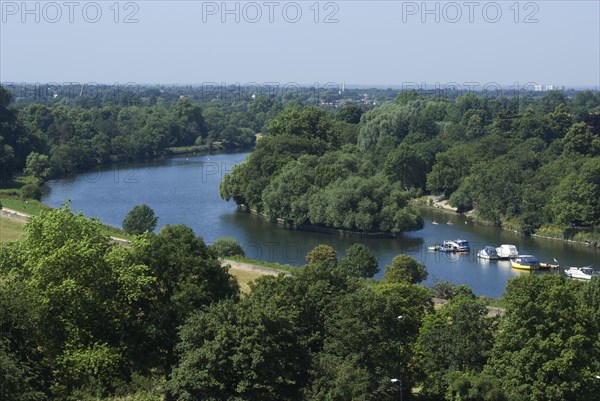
(82, 318)
(55, 139)
(526, 163)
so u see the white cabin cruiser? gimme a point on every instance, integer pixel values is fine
(507, 251)
(581, 273)
(489, 253)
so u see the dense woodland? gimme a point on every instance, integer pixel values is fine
(82, 318)
(518, 162)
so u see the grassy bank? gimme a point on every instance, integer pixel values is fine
(262, 263)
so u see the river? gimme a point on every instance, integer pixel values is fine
(184, 190)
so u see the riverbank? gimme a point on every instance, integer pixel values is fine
(590, 238)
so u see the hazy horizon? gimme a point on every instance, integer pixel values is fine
(378, 44)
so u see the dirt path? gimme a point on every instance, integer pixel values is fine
(440, 203)
(253, 268)
(13, 214)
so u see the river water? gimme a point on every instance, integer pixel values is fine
(184, 190)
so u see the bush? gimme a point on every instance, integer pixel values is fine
(227, 246)
(31, 191)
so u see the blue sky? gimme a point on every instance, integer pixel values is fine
(364, 42)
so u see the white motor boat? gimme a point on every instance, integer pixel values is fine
(489, 253)
(581, 273)
(507, 251)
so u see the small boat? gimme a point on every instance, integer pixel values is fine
(548, 266)
(507, 251)
(435, 222)
(525, 262)
(450, 223)
(489, 253)
(581, 273)
(434, 247)
(445, 248)
(458, 245)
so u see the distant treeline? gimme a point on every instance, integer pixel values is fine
(516, 161)
(78, 137)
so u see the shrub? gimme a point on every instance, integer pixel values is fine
(31, 191)
(227, 246)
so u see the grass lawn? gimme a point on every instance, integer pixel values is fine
(244, 277)
(10, 229)
(28, 206)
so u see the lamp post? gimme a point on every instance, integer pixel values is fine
(398, 381)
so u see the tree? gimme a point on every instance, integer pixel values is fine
(350, 113)
(227, 246)
(38, 166)
(82, 287)
(473, 386)
(140, 219)
(545, 346)
(360, 261)
(456, 338)
(247, 351)
(405, 269)
(578, 139)
(188, 276)
(322, 254)
(31, 191)
(368, 341)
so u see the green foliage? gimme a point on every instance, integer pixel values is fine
(360, 261)
(405, 269)
(349, 113)
(448, 290)
(31, 191)
(547, 344)
(368, 340)
(38, 166)
(187, 277)
(248, 351)
(139, 220)
(471, 386)
(81, 288)
(227, 246)
(455, 339)
(322, 254)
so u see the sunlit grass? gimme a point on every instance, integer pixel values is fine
(10, 229)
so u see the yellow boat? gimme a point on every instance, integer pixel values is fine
(525, 262)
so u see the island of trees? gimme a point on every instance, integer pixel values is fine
(530, 165)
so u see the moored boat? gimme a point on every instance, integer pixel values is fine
(507, 251)
(458, 245)
(525, 262)
(548, 266)
(581, 273)
(489, 253)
